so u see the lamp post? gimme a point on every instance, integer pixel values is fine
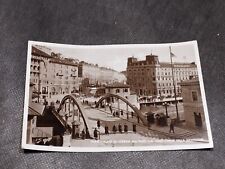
(174, 85)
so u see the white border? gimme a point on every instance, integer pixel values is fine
(112, 149)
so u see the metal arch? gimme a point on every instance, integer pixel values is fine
(72, 97)
(134, 108)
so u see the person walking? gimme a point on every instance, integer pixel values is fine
(114, 129)
(83, 134)
(98, 124)
(110, 107)
(114, 114)
(121, 112)
(120, 128)
(134, 128)
(96, 134)
(45, 101)
(172, 126)
(106, 129)
(117, 114)
(125, 128)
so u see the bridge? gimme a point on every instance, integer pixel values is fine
(71, 112)
(70, 106)
(108, 98)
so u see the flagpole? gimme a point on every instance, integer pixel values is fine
(174, 86)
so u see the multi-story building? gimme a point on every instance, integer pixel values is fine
(38, 71)
(150, 77)
(192, 101)
(122, 90)
(64, 76)
(99, 75)
(52, 75)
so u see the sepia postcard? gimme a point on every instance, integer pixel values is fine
(99, 98)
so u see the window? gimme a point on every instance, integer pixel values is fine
(194, 96)
(117, 90)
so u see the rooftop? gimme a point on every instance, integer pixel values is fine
(63, 61)
(38, 52)
(166, 64)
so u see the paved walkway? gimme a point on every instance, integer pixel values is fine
(153, 131)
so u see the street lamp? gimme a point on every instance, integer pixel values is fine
(166, 105)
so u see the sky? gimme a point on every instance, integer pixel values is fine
(115, 56)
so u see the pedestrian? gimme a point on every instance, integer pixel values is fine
(132, 114)
(110, 108)
(117, 114)
(52, 106)
(83, 134)
(45, 101)
(96, 134)
(120, 128)
(134, 128)
(98, 124)
(114, 114)
(57, 101)
(114, 129)
(172, 126)
(125, 128)
(121, 112)
(106, 129)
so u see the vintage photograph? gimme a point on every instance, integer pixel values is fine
(133, 97)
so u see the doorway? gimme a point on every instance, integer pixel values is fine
(198, 119)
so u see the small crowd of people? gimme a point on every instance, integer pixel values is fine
(79, 134)
(125, 129)
(115, 129)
